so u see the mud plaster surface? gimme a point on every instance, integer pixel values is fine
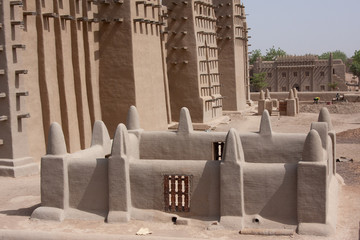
(19, 197)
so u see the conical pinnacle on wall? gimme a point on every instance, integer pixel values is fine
(121, 143)
(101, 135)
(265, 124)
(56, 143)
(312, 151)
(262, 95)
(233, 148)
(185, 123)
(324, 116)
(132, 120)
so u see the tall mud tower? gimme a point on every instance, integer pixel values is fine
(132, 62)
(14, 151)
(49, 73)
(192, 59)
(233, 54)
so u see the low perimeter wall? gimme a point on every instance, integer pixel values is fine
(261, 180)
(309, 96)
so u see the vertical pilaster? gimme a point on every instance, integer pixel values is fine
(163, 39)
(47, 63)
(312, 190)
(65, 74)
(31, 81)
(131, 64)
(312, 73)
(148, 65)
(232, 209)
(54, 178)
(78, 63)
(91, 45)
(232, 42)
(14, 148)
(192, 60)
(331, 65)
(119, 178)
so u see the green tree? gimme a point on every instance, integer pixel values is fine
(336, 55)
(333, 85)
(355, 66)
(272, 53)
(255, 54)
(258, 81)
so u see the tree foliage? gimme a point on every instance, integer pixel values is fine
(333, 86)
(336, 55)
(272, 54)
(258, 81)
(255, 54)
(355, 66)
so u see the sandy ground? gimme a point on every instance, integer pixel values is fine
(19, 197)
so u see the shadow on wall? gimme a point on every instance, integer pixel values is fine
(208, 188)
(90, 190)
(282, 206)
(272, 192)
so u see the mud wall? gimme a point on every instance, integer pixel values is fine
(52, 62)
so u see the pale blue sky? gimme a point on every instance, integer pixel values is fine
(307, 26)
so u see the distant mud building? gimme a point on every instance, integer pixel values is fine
(305, 73)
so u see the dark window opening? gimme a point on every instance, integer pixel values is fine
(307, 74)
(218, 148)
(269, 75)
(176, 193)
(322, 74)
(77, 6)
(295, 74)
(283, 74)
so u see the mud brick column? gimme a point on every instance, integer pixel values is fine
(232, 209)
(54, 178)
(119, 177)
(313, 184)
(78, 63)
(91, 45)
(30, 80)
(47, 63)
(192, 60)
(131, 62)
(14, 160)
(65, 75)
(247, 63)
(232, 42)
(291, 104)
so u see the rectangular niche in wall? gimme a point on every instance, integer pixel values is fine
(176, 193)
(218, 150)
